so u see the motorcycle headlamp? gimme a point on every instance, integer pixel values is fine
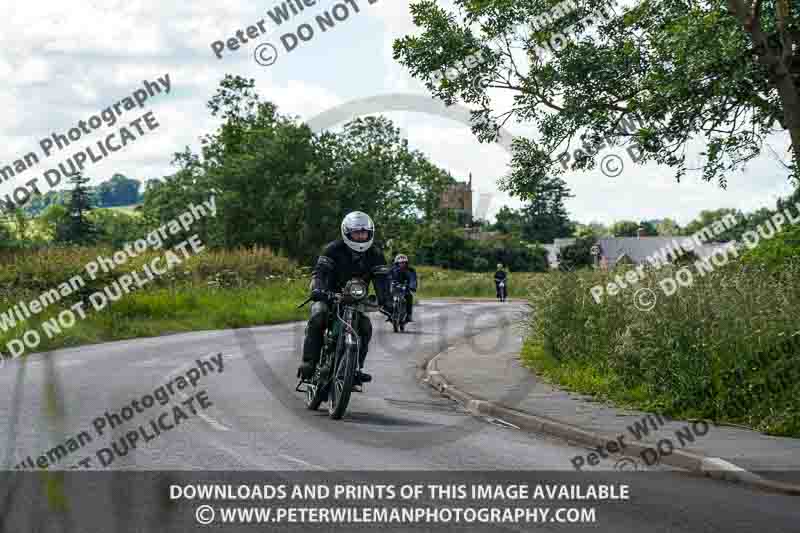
(356, 289)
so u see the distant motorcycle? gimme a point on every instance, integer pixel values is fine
(399, 314)
(334, 377)
(501, 287)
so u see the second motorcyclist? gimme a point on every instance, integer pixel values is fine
(403, 274)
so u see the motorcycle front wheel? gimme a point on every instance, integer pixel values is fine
(342, 383)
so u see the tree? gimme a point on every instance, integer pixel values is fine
(668, 228)
(77, 228)
(21, 223)
(117, 228)
(509, 221)
(593, 230)
(279, 184)
(52, 218)
(545, 217)
(576, 255)
(117, 191)
(707, 218)
(6, 238)
(732, 71)
(625, 228)
(648, 229)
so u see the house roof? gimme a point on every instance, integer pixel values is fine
(638, 249)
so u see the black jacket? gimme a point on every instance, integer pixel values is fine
(338, 263)
(500, 275)
(408, 276)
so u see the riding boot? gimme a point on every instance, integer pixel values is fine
(312, 345)
(365, 329)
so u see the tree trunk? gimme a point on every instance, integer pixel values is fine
(781, 73)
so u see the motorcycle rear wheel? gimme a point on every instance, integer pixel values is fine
(315, 393)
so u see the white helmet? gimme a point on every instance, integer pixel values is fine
(401, 259)
(356, 221)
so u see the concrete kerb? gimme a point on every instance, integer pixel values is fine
(713, 467)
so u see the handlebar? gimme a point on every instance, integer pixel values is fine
(337, 297)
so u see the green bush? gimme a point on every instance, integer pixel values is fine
(450, 249)
(777, 251)
(576, 255)
(117, 228)
(696, 353)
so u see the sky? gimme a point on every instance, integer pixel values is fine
(64, 62)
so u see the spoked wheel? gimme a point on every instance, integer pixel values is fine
(342, 384)
(396, 315)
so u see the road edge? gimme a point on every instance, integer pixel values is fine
(696, 463)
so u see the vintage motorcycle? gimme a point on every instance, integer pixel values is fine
(334, 377)
(399, 313)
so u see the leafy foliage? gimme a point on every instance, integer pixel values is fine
(278, 184)
(625, 228)
(117, 191)
(116, 228)
(76, 227)
(449, 248)
(680, 69)
(576, 255)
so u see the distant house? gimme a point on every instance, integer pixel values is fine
(635, 250)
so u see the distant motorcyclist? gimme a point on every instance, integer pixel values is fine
(499, 276)
(405, 275)
(342, 259)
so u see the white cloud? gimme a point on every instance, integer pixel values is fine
(62, 62)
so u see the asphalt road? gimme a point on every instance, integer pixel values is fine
(246, 416)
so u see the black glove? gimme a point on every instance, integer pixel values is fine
(319, 295)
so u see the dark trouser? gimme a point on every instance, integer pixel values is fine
(409, 303)
(315, 329)
(497, 288)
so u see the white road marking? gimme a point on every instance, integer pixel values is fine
(300, 461)
(152, 362)
(60, 363)
(202, 414)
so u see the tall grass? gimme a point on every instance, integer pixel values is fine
(714, 349)
(210, 290)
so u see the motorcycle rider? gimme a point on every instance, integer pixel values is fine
(499, 276)
(342, 259)
(404, 274)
